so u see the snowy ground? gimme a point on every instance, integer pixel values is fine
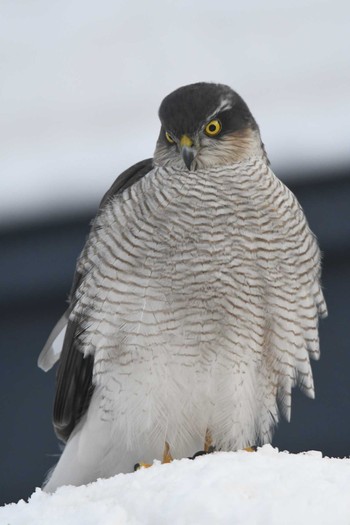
(267, 488)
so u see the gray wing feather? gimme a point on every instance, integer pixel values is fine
(74, 374)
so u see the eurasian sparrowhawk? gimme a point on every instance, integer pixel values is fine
(195, 302)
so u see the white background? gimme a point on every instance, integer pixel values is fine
(81, 83)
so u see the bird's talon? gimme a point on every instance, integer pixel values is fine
(210, 450)
(138, 466)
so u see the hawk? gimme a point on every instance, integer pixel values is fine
(195, 303)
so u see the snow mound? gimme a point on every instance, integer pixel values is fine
(267, 487)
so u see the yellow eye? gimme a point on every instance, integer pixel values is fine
(213, 128)
(169, 137)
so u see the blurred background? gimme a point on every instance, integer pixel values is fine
(80, 87)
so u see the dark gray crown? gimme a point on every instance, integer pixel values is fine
(188, 108)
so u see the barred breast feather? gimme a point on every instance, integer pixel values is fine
(199, 304)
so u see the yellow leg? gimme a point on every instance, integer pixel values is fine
(208, 442)
(167, 457)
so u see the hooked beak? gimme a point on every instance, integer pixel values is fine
(187, 150)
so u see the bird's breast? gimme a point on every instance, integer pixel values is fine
(181, 258)
(183, 274)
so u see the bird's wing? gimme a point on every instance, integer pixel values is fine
(51, 352)
(74, 374)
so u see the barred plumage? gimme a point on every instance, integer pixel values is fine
(198, 302)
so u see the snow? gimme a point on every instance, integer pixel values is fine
(266, 487)
(81, 83)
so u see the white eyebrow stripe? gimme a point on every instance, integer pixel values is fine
(224, 105)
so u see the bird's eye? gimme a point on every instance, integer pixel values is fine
(213, 128)
(169, 137)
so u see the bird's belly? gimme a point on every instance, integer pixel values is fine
(198, 307)
(181, 357)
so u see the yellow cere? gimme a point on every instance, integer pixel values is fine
(186, 141)
(213, 128)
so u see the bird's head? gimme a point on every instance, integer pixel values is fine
(205, 125)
